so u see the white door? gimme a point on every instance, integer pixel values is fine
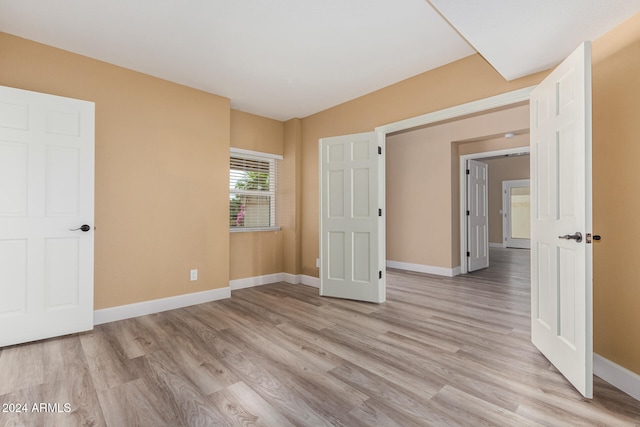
(352, 229)
(516, 209)
(46, 189)
(561, 256)
(477, 216)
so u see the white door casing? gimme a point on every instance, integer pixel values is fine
(352, 228)
(510, 217)
(477, 215)
(561, 268)
(46, 189)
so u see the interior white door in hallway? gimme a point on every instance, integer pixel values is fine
(516, 213)
(561, 219)
(46, 191)
(477, 215)
(352, 228)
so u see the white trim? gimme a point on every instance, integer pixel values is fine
(156, 306)
(252, 229)
(294, 279)
(250, 282)
(244, 152)
(480, 105)
(420, 268)
(496, 245)
(617, 376)
(310, 281)
(463, 194)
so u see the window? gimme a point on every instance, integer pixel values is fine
(252, 190)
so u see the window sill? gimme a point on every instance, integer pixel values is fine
(250, 229)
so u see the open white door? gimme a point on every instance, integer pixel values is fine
(46, 190)
(561, 253)
(352, 229)
(477, 215)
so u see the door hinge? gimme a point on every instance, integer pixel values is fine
(468, 171)
(380, 274)
(379, 212)
(379, 150)
(468, 253)
(468, 213)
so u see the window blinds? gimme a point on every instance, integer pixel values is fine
(252, 190)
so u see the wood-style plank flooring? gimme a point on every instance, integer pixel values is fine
(440, 351)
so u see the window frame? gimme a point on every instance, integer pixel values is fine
(273, 160)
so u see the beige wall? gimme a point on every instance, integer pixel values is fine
(290, 194)
(616, 154)
(466, 80)
(502, 169)
(256, 253)
(257, 133)
(422, 190)
(161, 172)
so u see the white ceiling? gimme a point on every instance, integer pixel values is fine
(292, 58)
(521, 37)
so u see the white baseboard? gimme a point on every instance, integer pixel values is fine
(420, 268)
(497, 245)
(250, 282)
(310, 280)
(617, 376)
(156, 306)
(294, 279)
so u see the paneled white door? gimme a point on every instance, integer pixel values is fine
(561, 253)
(46, 190)
(352, 229)
(477, 215)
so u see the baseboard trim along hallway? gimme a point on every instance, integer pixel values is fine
(128, 311)
(420, 268)
(617, 376)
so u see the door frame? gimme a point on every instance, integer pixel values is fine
(463, 194)
(479, 106)
(506, 208)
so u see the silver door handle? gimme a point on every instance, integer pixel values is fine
(577, 237)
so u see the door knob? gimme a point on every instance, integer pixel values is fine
(84, 228)
(577, 237)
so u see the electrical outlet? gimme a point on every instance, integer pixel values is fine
(193, 276)
(317, 262)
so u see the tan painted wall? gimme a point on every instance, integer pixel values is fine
(422, 185)
(463, 81)
(161, 172)
(291, 196)
(616, 154)
(256, 253)
(502, 169)
(257, 133)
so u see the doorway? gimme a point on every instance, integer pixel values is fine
(486, 156)
(516, 214)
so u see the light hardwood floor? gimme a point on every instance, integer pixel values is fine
(440, 351)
